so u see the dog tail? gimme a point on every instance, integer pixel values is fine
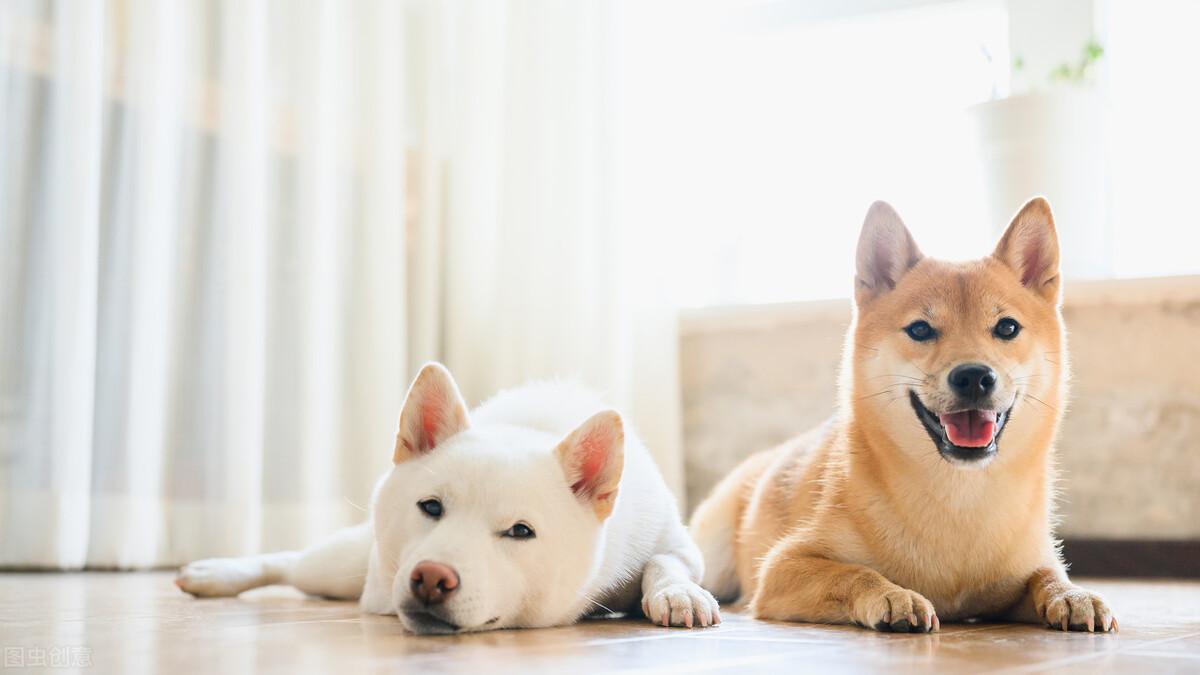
(715, 523)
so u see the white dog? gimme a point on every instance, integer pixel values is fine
(534, 510)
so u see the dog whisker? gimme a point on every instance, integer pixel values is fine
(898, 376)
(592, 601)
(881, 392)
(1031, 396)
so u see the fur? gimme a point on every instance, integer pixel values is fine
(607, 533)
(865, 520)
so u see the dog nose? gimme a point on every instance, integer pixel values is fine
(972, 380)
(433, 582)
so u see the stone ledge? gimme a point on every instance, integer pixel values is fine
(753, 376)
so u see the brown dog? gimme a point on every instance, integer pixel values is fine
(931, 493)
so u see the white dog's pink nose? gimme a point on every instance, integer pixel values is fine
(432, 583)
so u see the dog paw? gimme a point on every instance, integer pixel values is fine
(898, 610)
(681, 604)
(219, 577)
(1076, 609)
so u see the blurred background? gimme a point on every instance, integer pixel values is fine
(230, 232)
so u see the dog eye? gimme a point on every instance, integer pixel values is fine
(920, 331)
(519, 531)
(1006, 328)
(431, 508)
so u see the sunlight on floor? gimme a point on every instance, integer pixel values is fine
(140, 623)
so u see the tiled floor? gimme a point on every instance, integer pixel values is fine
(133, 623)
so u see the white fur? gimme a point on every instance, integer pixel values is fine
(499, 470)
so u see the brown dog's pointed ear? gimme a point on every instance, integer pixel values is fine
(592, 459)
(1030, 248)
(886, 251)
(433, 411)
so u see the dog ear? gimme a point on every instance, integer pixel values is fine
(886, 251)
(1030, 248)
(433, 411)
(592, 458)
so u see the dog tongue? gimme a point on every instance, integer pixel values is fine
(970, 428)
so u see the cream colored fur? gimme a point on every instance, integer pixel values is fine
(865, 521)
(608, 536)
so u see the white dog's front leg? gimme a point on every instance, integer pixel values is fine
(226, 577)
(377, 592)
(333, 568)
(671, 595)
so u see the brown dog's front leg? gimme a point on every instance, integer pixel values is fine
(795, 585)
(1050, 598)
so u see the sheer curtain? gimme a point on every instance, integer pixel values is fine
(547, 272)
(203, 274)
(229, 231)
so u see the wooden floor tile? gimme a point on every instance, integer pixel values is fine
(134, 623)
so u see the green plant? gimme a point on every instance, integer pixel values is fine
(1068, 73)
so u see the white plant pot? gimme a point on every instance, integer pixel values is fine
(1050, 144)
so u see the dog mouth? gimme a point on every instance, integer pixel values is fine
(968, 435)
(423, 622)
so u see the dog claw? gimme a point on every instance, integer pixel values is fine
(684, 605)
(896, 611)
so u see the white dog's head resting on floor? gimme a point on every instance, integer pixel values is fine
(491, 526)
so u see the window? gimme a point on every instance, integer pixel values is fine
(753, 141)
(1155, 136)
(760, 145)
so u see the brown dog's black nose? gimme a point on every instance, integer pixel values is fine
(432, 583)
(972, 381)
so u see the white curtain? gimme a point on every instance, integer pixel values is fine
(547, 273)
(203, 274)
(229, 231)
